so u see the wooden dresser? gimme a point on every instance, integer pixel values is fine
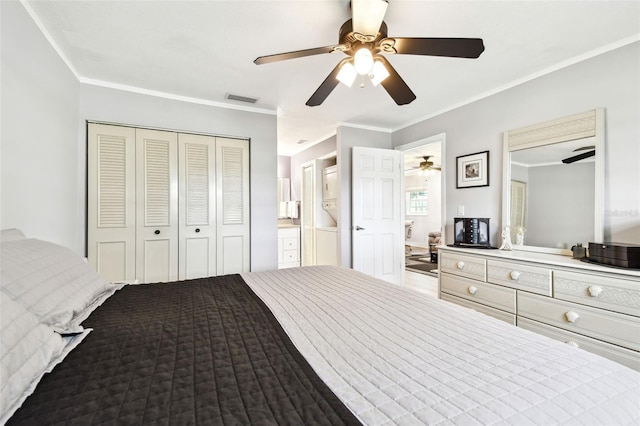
(593, 307)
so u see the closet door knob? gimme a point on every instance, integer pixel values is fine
(157, 232)
(197, 230)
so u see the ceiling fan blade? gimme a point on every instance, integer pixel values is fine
(450, 47)
(326, 87)
(579, 157)
(293, 55)
(368, 15)
(395, 85)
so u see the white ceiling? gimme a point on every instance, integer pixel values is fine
(205, 49)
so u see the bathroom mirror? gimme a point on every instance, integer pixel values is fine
(284, 195)
(553, 183)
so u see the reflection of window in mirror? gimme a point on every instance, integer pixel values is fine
(518, 206)
(284, 195)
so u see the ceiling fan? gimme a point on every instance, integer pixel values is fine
(590, 151)
(363, 39)
(426, 165)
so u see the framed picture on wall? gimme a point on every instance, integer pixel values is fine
(472, 170)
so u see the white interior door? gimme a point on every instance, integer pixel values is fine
(232, 206)
(308, 215)
(378, 223)
(111, 220)
(157, 206)
(196, 212)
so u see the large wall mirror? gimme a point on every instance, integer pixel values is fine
(553, 188)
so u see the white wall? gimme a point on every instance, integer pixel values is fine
(44, 113)
(41, 163)
(347, 138)
(609, 81)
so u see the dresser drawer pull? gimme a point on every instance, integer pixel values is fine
(460, 264)
(514, 275)
(473, 290)
(572, 343)
(594, 290)
(571, 316)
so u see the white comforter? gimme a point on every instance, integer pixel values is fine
(394, 356)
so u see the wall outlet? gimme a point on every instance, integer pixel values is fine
(460, 210)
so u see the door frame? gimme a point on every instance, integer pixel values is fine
(442, 138)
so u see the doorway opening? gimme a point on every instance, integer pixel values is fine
(424, 203)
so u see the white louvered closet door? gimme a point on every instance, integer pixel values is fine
(111, 236)
(157, 206)
(232, 206)
(197, 189)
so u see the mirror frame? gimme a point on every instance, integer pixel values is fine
(590, 124)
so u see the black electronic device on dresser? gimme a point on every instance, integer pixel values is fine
(472, 232)
(615, 254)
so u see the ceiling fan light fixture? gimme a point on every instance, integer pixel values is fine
(378, 73)
(368, 15)
(363, 61)
(347, 74)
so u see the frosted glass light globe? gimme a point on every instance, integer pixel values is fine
(363, 61)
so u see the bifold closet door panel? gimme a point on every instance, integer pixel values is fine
(232, 206)
(111, 198)
(197, 195)
(157, 206)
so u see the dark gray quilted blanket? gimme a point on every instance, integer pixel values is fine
(203, 352)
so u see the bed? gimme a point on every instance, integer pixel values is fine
(311, 345)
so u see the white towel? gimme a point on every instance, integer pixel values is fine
(292, 209)
(283, 209)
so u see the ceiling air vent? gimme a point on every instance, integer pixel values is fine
(233, 97)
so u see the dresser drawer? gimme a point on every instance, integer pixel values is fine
(487, 294)
(615, 353)
(536, 279)
(616, 294)
(495, 313)
(463, 265)
(619, 329)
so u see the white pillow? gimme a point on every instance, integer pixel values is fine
(52, 282)
(27, 350)
(11, 234)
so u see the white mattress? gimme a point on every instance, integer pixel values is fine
(395, 356)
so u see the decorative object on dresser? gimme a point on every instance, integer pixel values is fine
(593, 307)
(506, 239)
(615, 254)
(472, 170)
(471, 232)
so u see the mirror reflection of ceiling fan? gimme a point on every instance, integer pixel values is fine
(590, 151)
(364, 39)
